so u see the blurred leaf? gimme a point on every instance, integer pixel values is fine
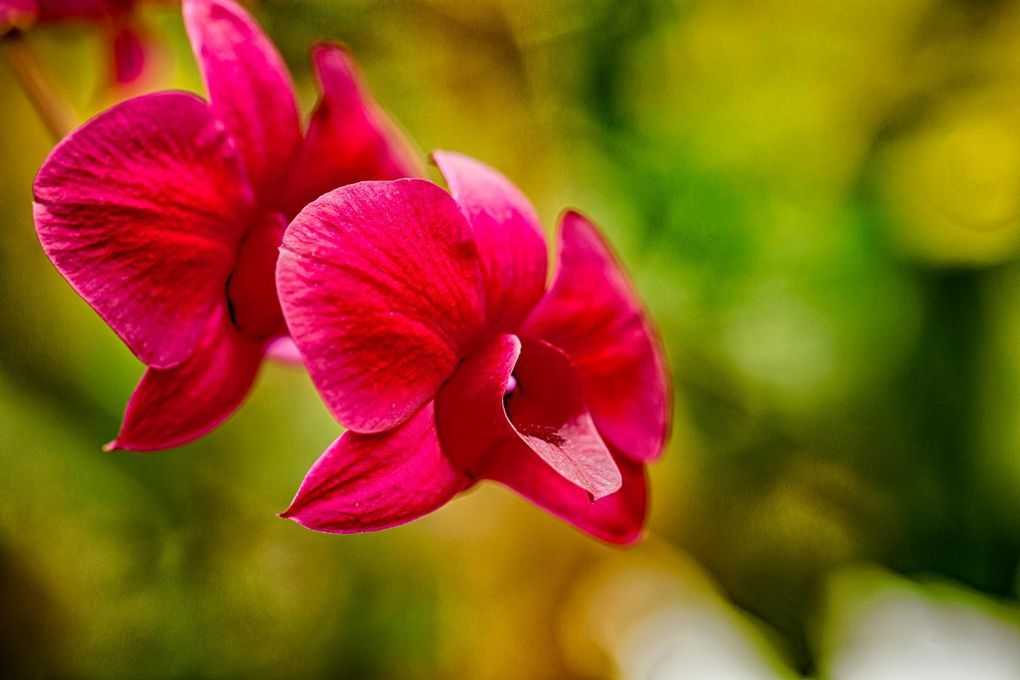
(882, 627)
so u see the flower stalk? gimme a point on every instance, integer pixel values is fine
(53, 110)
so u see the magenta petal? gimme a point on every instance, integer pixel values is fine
(617, 518)
(173, 406)
(285, 351)
(128, 55)
(509, 236)
(367, 482)
(249, 87)
(380, 286)
(141, 209)
(17, 14)
(543, 414)
(593, 314)
(349, 138)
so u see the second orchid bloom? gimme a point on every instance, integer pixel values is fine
(166, 212)
(426, 326)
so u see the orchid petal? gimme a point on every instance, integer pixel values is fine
(249, 87)
(509, 236)
(349, 137)
(617, 518)
(380, 286)
(129, 54)
(284, 350)
(141, 209)
(543, 414)
(367, 482)
(592, 313)
(17, 14)
(171, 407)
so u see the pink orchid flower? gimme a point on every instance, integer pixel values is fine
(427, 329)
(17, 14)
(165, 213)
(128, 44)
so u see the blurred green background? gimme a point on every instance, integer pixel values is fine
(820, 202)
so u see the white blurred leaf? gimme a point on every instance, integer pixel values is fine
(883, 627)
